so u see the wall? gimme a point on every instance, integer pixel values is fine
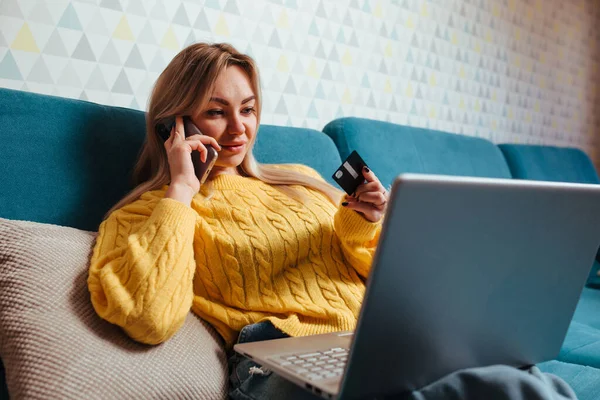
(507, 70)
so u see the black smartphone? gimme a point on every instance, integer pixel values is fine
(202, 169)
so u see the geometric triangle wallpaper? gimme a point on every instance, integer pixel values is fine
(520, 71)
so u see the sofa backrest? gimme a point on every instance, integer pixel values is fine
(390, 149)
(280, 145)
(557, 164)
(66, 162)
(548, 163)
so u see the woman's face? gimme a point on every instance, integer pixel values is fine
(230, 118)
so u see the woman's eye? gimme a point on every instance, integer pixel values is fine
(248, 110)
(214, 113)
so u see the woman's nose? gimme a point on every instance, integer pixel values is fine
(236, 126)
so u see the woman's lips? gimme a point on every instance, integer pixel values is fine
(233, 148)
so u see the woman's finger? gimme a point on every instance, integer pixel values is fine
(375, 198)
(171, 134)
(179, 129)
(358, 206)
(167, 143)
(369, 175)
(206, 140)
(350, 199)
(368, 187)
(199, 146)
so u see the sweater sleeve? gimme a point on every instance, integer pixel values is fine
(142, 268)
(358, 237)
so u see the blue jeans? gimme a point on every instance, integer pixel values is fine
(265, 385)
(496, 382)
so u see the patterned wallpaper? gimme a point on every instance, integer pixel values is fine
(508, 70)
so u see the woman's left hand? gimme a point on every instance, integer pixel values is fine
(370, 198)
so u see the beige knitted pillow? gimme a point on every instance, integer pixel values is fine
(53, 344)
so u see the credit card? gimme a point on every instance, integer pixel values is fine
(349, 175)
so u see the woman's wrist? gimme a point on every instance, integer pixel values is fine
(353, 226)
(180, 192)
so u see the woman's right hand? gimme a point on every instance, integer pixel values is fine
(184, 182)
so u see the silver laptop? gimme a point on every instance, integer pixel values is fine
(468, 272)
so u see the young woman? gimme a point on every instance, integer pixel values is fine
(258, 251)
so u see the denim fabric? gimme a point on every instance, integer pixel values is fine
(246, 386)
(496, 382)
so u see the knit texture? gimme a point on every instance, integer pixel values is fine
(243, 252)
(54, 346)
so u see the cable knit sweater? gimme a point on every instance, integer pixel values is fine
(248, 253)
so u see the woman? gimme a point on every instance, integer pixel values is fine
(257, 251)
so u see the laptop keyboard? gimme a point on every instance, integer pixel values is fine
(315, 365)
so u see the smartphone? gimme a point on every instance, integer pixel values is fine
(202, 169)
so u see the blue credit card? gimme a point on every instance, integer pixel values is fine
(349, 175)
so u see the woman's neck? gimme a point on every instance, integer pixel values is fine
(216, 171)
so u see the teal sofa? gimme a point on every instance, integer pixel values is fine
(65, 162)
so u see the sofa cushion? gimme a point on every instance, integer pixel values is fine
(390, 149)
(582, 343)
(53, 344)
(64, 161)
(281, 145)
(557, 164)
(585, 381)
(588, 308)
(547, 163)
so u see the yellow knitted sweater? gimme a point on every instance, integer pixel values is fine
(247, 253)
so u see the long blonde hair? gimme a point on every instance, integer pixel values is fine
(183, 88)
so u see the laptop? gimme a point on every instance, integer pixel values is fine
(468, 272)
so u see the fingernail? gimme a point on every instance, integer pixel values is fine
(367, 169)
(345, 203)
